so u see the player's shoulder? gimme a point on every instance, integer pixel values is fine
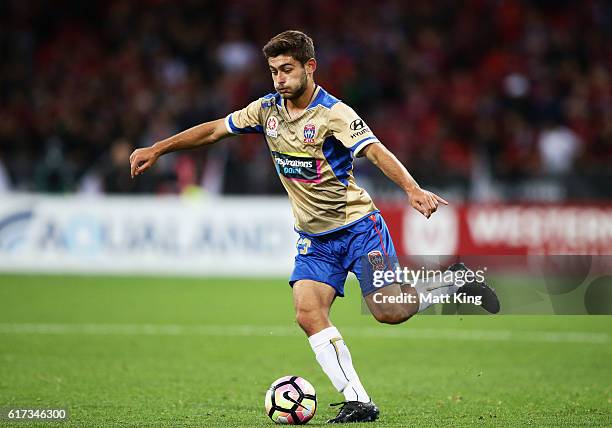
(336, 107)
(325, 100)
(342, 112)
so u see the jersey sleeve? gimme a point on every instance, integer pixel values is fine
(246, 120)
(350, 129)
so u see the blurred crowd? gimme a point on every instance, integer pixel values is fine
(483, 96)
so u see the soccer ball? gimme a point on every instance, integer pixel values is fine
(291, 400)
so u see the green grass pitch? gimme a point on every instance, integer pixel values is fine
(181, 352)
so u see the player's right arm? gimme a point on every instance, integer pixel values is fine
(200, 135)
(243, 121)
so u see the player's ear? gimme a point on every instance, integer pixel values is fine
(310, 65)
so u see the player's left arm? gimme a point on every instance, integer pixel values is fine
(423, 201)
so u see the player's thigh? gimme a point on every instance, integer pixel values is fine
(313, 296)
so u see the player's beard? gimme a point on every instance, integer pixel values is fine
(300, 89)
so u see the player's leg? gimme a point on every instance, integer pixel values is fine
(312, 301)
(318, 277)
(396, 303)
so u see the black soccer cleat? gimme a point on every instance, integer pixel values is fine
(355, 411)
(490, 302)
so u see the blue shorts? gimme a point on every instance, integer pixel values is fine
(361, 248)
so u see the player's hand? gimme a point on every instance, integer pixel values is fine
(142, 159)
(425, 202)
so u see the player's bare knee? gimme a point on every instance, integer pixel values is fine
(392, 315)
(392, 318)
(303, 318)
(310, 320)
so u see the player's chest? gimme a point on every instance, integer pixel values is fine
(305, 134)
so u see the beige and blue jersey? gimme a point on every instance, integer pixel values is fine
(313, 154)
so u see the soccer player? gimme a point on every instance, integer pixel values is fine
(313, 138)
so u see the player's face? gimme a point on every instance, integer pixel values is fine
(290, 76)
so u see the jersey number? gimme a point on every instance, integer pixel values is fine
(303, 245)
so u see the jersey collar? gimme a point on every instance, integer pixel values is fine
(313, 103)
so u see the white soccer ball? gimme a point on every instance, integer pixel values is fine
(291, 400)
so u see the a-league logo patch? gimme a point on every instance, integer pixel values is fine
(376, 260)
(309, 133)
(272, 127)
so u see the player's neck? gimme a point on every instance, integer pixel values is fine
(299, 104)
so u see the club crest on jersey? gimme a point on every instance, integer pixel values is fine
(376, 260)
(309, 133)
(272, 127)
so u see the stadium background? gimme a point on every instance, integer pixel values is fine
(502, 107)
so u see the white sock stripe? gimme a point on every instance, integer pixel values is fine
(350, 375)
(354, 390)
(333, 343)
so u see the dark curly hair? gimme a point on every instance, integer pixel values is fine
(293, 43)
